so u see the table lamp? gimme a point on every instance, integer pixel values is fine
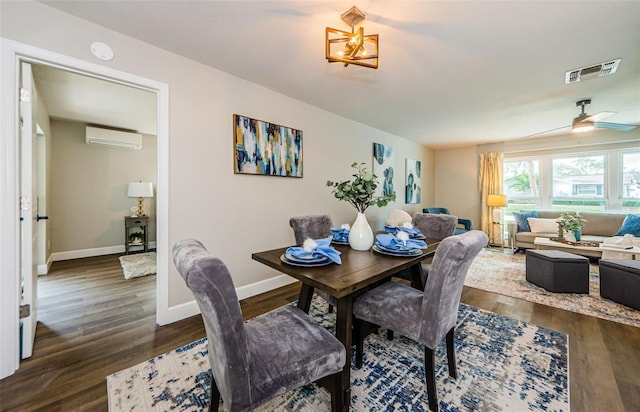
(496, 202)
(140, 190)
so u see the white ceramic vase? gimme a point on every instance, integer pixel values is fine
(361, 235)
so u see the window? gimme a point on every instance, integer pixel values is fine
(578, 183)
(521, 182)
(606, 181)
(630, 182)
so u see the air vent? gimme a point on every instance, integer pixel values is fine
(591, 72)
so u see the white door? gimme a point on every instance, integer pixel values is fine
(28, 211)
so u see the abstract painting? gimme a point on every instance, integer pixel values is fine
(413, 189)
(263, 148)
(383, 169)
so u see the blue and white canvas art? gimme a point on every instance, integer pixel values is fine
(412, 186)
(383, 168)
(263, 148)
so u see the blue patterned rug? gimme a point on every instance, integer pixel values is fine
(503, 365)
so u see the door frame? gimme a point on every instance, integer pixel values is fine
(12, 54)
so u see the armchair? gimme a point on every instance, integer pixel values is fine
(467, 224)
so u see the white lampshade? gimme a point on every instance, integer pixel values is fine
(140, 189)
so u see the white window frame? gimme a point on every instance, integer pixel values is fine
(612, 191)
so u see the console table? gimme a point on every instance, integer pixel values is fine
(134, 225)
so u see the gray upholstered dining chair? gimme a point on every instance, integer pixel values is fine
(314, 227)
(428, 316)
(463, 225)
(432, 226)
(435, 226)
(260, 359)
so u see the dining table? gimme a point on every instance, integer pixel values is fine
(358, 270)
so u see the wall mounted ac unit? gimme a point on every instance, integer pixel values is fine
(114, 138)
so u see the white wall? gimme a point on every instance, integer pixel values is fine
(234, 215)
(456, 182)
(89, 189)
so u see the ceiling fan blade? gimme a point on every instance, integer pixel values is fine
(598, 116)
(546, 131)
(614, 126)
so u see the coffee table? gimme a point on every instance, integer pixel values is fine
(593, 251)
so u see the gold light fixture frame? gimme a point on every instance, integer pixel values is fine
(352, 47)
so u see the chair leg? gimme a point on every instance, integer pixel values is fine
(430, 377)
(337, 392)
(358, 333)
(330, 310)
(389, 334)
(214, 403)
(451, 353)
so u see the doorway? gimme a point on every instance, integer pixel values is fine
(87, 183)
(13, 53)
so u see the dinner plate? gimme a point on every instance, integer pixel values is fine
(340, 242)
(305, 259)
(306, 264)
(392, 252)
(394, 231)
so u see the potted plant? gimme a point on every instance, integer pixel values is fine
(359, 192)
(572, 224)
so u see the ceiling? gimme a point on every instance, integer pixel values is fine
(451, 72)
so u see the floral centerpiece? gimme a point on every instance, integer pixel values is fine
(572, 224)
(359, 192)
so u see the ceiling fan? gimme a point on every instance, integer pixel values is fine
(585, 123)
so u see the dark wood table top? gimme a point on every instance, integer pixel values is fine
(358, 269)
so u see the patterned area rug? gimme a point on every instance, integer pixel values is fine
(138, 265)
(505, 274)
(503, 365)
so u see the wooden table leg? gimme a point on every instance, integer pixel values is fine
(304, 300)
(344, 320)
(416, 276)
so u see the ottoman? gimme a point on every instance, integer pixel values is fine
(620, 281)
(557, 271)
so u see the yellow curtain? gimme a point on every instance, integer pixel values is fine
(490, 184)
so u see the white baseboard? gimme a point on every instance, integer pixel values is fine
(188, 309)
(264, 286)
(100, 251)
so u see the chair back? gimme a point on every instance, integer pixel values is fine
(435, 226)
(314, 227)
(444, 284)
(211, 284)
(436, 210)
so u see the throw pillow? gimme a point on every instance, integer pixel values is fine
(630, 226)
(521, 219)
(543, 225)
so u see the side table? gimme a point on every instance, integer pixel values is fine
(135, 233)
(496, 228)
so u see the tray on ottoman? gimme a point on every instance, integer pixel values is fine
(557, 271)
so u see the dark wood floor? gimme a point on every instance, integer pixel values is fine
(93, 322)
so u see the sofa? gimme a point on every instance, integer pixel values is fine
(597, 228)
